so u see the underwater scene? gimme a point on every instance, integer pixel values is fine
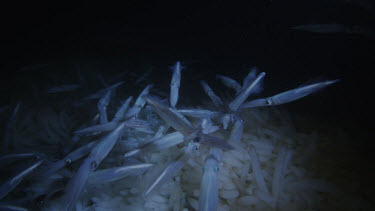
(182, 106)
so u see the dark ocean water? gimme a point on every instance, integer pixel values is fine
(209, 38)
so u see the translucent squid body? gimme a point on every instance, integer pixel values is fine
(132, 123)
(71, 157)
(199, 113)
(236, 103)
(251, 76)
(335, 28)
(170, 117)
(11, 207)
(173, 167)
(258, 175)
(208, 127)
(120, 114)
(9, 158)
(225, 120)
(288, 96)
(102, 92)
(100, 151)
(102, 107)
(139, 103)
(12, 183)
(113, 174)
(175, 84)
(230, 83)
(251, 84)
(215, 99)
(181, 116)
(236, 134)
(159, 143)
(194, 137)
(208, 196)
(185, 129)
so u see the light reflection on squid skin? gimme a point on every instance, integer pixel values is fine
(208, 197)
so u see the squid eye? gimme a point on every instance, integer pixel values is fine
(68, 161)
(269, 101)
(216, 169)
(94, 164)
(195, 148)
(196, 140)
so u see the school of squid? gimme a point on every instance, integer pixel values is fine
(152, 153)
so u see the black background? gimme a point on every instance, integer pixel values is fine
(217, 36)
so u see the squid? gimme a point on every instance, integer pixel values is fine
(120, 114)
(259, 178)
(132, 123)
(208, 196)
(225, 118)
(99, 152)
(113, 174)
(175, 84)
(185, 129)
(236, 134)
(68, 159)
(100, 93)
(9, 158)
(173, 167)
(11, 207)
(102, 107)
(198, 113)
(181, 116)
(231, 83)
(194, 136)
(170, 117)
(215, 99)
(139, 103)
(12, 183)
(288, 96)
(156, 144)
(236, 103)
(251, 76)
(208, 126)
